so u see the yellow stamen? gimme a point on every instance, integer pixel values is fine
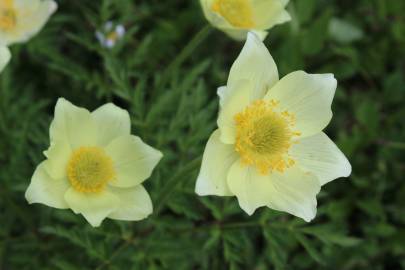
(8, 18)
(90, 169)
(264, 136)
(239, 13)
(113, 36)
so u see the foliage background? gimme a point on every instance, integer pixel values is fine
(165, 73)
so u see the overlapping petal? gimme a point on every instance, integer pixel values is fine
(47, 190)
(111, 122)
(270, 13)
(293, 191)
(308, 96)
(217, 160)
(95, 207)
(320, 156)
(133, 160)
(134, 203)
(256, 65)
(238, 99)
(73, 125)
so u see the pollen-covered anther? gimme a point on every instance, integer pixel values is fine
(264, 136)
(90, 169)
(239, 13)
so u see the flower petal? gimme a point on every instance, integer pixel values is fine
(73, 125)
(237, 101)
(217, 160)
(308, 97)
(46, 190)
(58, 155)
(95, 207)
(5, 56)
(269, 13)
(31, 17)
(214, 18)
(135, 203)
(320, 156)
(133, 160)
(292, 191)
(111, 122)
(256, 65)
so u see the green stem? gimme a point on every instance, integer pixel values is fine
(185, 53)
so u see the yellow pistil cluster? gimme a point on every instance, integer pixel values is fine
(264, 136)
(239, 13)
(90, 169)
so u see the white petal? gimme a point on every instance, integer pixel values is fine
(58, 155)
(217, 160)
(269, 13)
(309, 97)
(46, 190)
(223, 94)
(214, 18)
(133, 160)
(261, 34)
(31, 17)
(5, 56)
(111, 122)
(135, 203)
(256, 65)
(320, 156)
(73, 125)
(95, 207)
(235, 33)
(293, 191)
(236, 102)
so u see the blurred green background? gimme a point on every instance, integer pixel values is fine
(165, 72)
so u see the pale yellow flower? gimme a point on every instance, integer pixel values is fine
(237, 17)
(22, 19)
(4, 57)
(269, 149)
(94, 165)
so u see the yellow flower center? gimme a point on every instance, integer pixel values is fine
(113, 36)
(264, 136)
(239, 13)
(90, 169)
(8, 18)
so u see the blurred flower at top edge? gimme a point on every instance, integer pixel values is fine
(110, 34)
(21, 20)
(237, 17)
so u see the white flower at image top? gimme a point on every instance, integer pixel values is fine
(237, 17)
(110, 34)
(22, 19)
(269, 148)
(5, 56)
(94, 165)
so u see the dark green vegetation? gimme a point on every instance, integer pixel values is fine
(167, 80)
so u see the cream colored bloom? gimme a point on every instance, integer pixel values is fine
(5, 56)
(237, 17)
(94, 165)
(269, 149)
(22, 19)
(110, 34)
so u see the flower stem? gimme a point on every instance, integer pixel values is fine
(184, 54)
